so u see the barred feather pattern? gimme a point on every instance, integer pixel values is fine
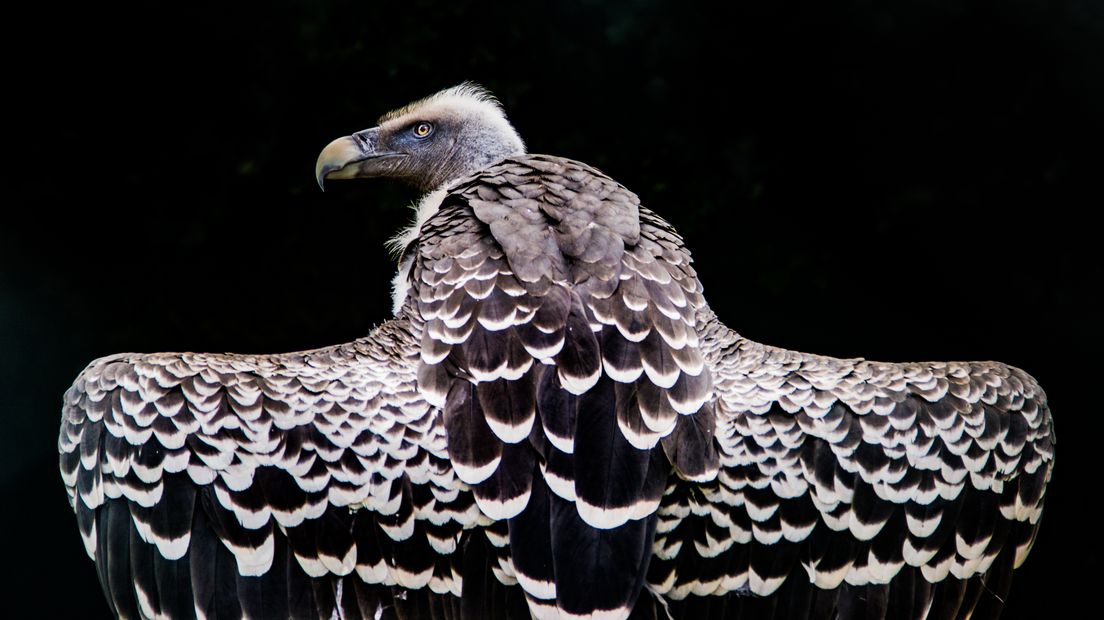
(851, 488)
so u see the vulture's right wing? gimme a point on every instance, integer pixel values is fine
(912, 489)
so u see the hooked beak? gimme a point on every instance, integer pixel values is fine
(354, 156)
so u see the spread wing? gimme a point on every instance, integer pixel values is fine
(557, 426)
(264, 486)
(876, 490)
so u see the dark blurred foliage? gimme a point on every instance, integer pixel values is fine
(899, 181)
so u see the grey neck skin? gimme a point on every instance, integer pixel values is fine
(467, 154)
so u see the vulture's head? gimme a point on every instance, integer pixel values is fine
(428, 143)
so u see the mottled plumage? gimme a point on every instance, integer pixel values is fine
(554, 424)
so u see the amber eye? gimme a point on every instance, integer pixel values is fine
(422, 129)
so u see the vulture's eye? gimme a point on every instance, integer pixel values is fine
(422, 130)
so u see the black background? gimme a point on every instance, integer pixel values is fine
(911, 182)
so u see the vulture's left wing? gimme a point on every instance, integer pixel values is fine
(301, 485)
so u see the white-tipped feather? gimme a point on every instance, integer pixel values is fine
(253, 562)
(502, 510)
(510, 433)
(475, 475)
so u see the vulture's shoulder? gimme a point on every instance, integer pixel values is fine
(549, 214)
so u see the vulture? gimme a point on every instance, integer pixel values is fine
(554, 424)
